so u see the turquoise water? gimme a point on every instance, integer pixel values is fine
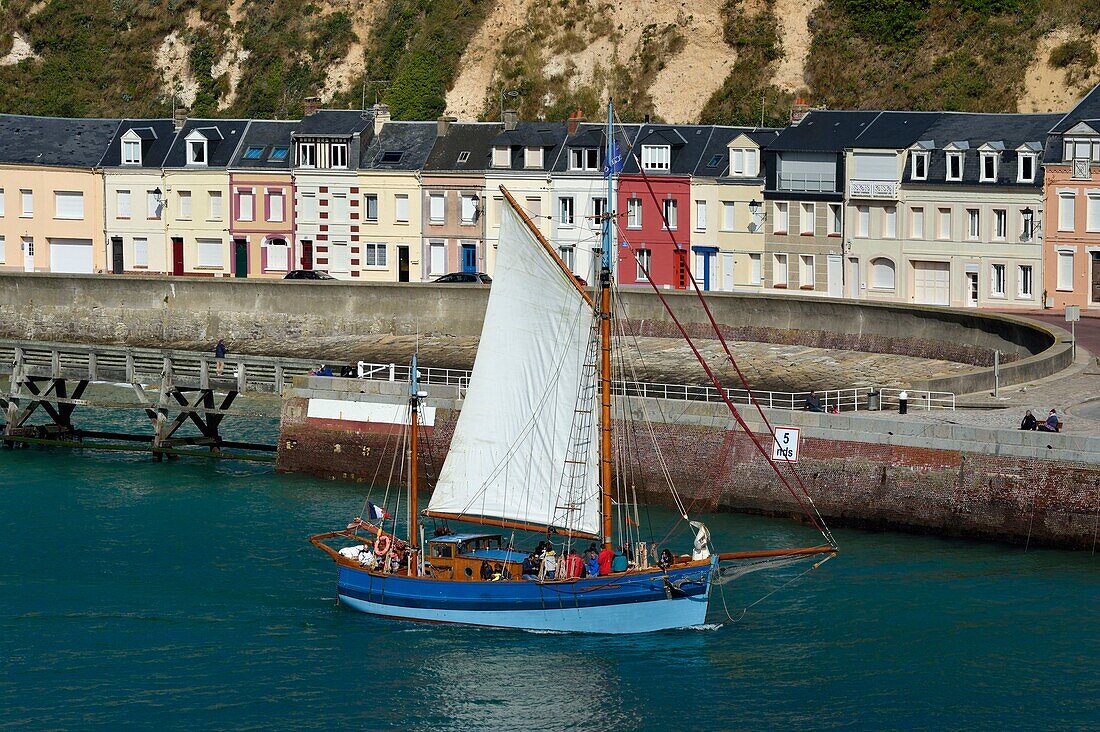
(184, 593)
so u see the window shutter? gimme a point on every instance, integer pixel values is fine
(70, 205)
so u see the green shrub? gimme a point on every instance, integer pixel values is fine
(1078, 52)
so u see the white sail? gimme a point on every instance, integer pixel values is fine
(521, 451)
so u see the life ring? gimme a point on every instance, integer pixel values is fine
(382, 545)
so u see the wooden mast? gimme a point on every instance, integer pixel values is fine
(414, 400)
(606, 259)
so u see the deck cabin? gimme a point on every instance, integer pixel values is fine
(461, 556)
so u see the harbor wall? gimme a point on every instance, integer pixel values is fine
(873, 472)
(282, 315)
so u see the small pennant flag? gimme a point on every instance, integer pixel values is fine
(377, 512)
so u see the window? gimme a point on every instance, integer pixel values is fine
(1066, 213)
(209, 253)
(989, 167)
(863, 221)
(882, 274)
(890, 222)
(997, 281)
(374, 255)
(1, 202)
(254, 152)
(339, 207)
(779, 270)
(700, 215)
(338, 155)
(729, 214)
(782, 218)
(806, 223)
(435, 208)
(919, 165)
(469, 209)
(1026, 173)
(744, 162)
(599, 209)
(754, 269)
(943, 216)
(277, 255)
(565, 211)
(584, 158)
(954, 166)
(141, 252)
(1000, 223)
(196, 152)
(131, 152)
(714, 160)
(307, 207)
(246, 204)
(401, 208)
(532, 157)
(634, 213)
(216, 210)
(643, 264)
(1092, 211)
(307, 155)
(152, 205)
(339, 257)
(278, 153)
(184, 204)
(391, 157)
(3, 250)
(973, 223)
(1024, 283)
(835, 219)
(669, 211)
(123, 204)
(568, 257)
(655, 157)
(437, 258)
(28, 203)
(1065, 271)
(276, 206)
(370, 210)
(806, 271)
(917, 223)
(502, 157)
(464, 157)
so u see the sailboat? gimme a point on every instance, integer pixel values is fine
(534, 451)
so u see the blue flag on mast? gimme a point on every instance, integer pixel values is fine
(614, 163)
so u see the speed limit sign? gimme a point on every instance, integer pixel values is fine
(786, 444)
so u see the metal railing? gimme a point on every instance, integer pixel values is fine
(821, 182)
(872, 189)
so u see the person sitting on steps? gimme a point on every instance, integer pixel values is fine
(1029, 422)
(1053, 424)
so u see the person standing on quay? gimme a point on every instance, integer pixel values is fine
(219, 355)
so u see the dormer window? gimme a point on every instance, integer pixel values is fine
(1081, 149)
(954, 166)
(502, 156)
(307, 155)
(532, 157)
(744, 162)
(1026, 172)
(131, 152)
(196, 151)
(919, 165)
(338, 154)
(989, 167)
(584, 158)
(655, 157)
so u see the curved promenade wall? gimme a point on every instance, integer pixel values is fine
(149, 311)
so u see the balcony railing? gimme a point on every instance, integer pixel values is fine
(872, 189)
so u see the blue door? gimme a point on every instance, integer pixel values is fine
(469, 258)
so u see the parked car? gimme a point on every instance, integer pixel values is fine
(308, 274)
(456, 278)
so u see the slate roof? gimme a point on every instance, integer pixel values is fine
(547, 135)
(71, 143)
(335, 123)
(154, 147)
(1088, 108)
(687, 143)
(895, 130)
(475, 138)
(413, 140)
(714, 161)
(1013, 130)
(227, 134)
(266, 135)
(823, 131)
(589, 135)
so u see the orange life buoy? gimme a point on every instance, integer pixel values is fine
(382, 545)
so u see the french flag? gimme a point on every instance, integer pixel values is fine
(377, 512)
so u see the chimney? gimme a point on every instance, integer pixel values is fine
(443, 126)
(647, 118)
(381, 116)
(574, 121)
(511, 119)
(799, 110)
(312, 104)
(179, 118)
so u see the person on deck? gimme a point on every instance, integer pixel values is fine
(1029, 422)
(550, 565)
(486, 571)
(531, 567)
(591, 563)
(574, 567)
(607, 556)
(619, 563)
(666, 559)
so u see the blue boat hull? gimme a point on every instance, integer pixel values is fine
(632, 603)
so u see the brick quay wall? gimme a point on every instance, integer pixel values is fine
(872, 472)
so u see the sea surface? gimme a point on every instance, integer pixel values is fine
(183, 594)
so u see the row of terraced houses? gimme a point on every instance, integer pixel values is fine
(941, 208)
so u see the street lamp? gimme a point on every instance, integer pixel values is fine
(1029, 224)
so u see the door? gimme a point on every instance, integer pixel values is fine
(28, 254)
(972, 289)
(703, 269)
(73, 256)
(1096, 276)
(727, 271)
(680, 258)
(437, 259)
(307, 255)
(469, 258)
(932, 283)
(177, 256)
(834, 274)
(402, 263)
(117, 264)
(853, 277)
(240, 258)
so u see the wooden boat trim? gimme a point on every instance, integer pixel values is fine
(825, 549)
(507, 524)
